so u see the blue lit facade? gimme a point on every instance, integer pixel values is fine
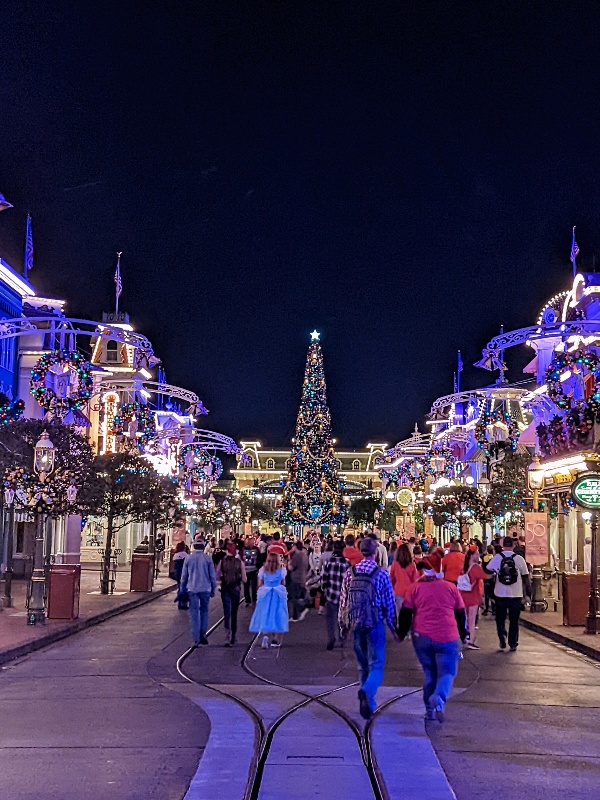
(13, 289)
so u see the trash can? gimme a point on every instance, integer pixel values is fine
(64, 581)
(142, 572)
(575, 596)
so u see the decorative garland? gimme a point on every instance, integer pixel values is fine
(439, 451)
(488, 418)
(576, 362)
(46, 396)
(201, 461)
(413, 473)
(145, 419)
(10, 410)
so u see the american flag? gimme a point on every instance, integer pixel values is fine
(574, 247)
(28, 247)
(118, 283)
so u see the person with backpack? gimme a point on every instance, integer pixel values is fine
(470, 586)
(512, 580)
(366, 606)
(333, 574)
(232, 574)
(250, 555)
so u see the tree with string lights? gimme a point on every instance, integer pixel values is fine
(312, 493)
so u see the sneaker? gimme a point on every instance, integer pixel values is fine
(275, 644)
(502, 644)
(265, 643)
(513, 649)
(472, 646)
(203, 640)
(365, 708)
(227, 644)
(291, 619)
(303, 615)
(320, 611)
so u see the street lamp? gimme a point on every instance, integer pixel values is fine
(43, 465)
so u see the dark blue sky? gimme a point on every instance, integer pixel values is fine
(401, 176)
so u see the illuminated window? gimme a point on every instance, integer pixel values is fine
(270, 463)
(112, 351)
(356, 464)
(250, 462)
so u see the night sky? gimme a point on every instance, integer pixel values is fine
(402, 176)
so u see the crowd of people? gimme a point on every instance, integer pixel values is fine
(366, 589)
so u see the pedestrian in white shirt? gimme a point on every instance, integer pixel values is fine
(512, 578)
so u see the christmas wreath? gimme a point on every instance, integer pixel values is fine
(488, 418)
(75, 394)
(145, 419)
(195, 460)
(437, 452)
(576, 362)
(10, 410)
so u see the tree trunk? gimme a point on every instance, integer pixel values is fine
(105, 579)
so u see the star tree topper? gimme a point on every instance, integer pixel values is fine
(315, 336)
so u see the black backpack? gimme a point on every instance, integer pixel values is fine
(508, 573)
(361, 610)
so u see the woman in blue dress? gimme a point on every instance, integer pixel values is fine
(271, 613)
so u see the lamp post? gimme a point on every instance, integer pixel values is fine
(536, 482)
(586, 493)
(43, 466)
(483, 484)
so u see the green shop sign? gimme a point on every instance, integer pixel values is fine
(586, 490)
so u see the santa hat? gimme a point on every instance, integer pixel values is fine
(434, 562)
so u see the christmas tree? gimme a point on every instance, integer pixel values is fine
(312, 494)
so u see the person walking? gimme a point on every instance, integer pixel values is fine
(250, 557)
(488, 584)
(298, 572)
(453, 563)
(366, 606)
(333, 574)
(512, 580)
(231, 573)
(179, 558)
(470, 586)
(199, 580)
(351, 552)
(315, 575)
(435, 611)
(270, 616)
(403, 574)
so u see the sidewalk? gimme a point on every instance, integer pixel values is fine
(17, 638)
(549, 624)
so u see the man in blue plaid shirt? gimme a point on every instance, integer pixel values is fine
(369, 642)
(331, 584)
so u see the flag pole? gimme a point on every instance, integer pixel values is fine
(574, 253)
(118, 285)
(28, 262)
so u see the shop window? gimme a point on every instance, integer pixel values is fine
(112, 351)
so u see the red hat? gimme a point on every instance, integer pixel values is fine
(434, 562)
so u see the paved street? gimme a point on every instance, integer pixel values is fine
(105, 714)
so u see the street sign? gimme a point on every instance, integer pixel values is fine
(586, 490)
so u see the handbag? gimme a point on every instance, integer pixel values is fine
(463, 584)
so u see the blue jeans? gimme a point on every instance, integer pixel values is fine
(199, 614)
(439, 661)
(230, 597)
(369, 649)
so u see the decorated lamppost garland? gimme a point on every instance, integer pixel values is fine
(61, 381)
(489, 418)
(145, 427)
(576, 363)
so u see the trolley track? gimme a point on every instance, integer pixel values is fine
(266, 735)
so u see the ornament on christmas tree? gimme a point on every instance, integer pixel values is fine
(312, 494)
(61, 381)
(10, 410)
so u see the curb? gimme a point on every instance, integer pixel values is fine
(81, 624)
(561, 638)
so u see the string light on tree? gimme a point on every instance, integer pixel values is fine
(313, 492)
